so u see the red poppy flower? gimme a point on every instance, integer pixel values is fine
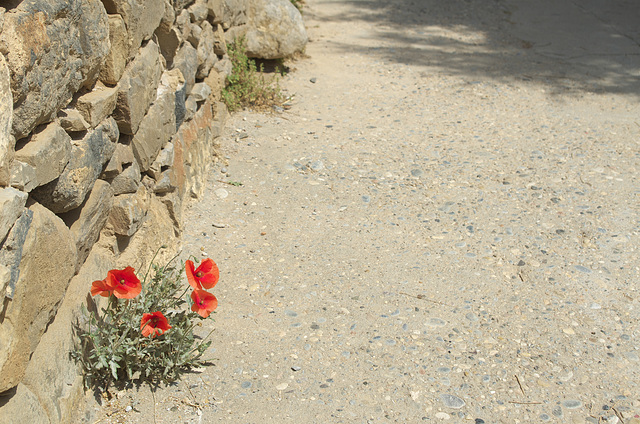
(153, 324)
(124, 283)
(101, 287)
(205, 276)
(203, 302)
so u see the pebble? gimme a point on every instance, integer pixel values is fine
(572, 404)
(452, 401)
(544, 417)
(436, 322)
(290, 313)
(313, 80)
(221, 193)
(416, 172)
(583, 269)
(296, 368)
(128, 408)
(245, 384)
(443, 416)
(282, 386)
(317, 165)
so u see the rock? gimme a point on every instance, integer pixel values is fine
(198, 12)
(122, 155)
(173, 203)
(128, 181)
(23, 407)
(200, 92)
(41, 82)
(47, 151)
(48, 257)
(87, 221)
(187, 61)
(128, 212)
(220, 43)
(88, 156)
(275, 29)
(166, 182)
(206, 51)
(195, 32)
(6, 121)
(71, 120)
(162, 162)
(11, 252)
(52, 375)
(137, 88)
(215, 81)
(169, 37)
(141, 18)
(157, 127)
(452, 401)
(116, 59)
(191, 107)
(229, 13)
(23, 176)
(169, 16)
(12, 204)
(183, 23)
(96, 105)
(224, 66)
(216, 11)
(174, 81)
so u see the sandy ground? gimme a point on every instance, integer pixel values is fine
(443, 227)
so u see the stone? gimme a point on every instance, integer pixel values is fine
(128, 212)
(162, 162)
(6, 121)
(86, 222)
(216, 11)
(173, 203)
(198, 12)
(183, 23)
(48, 257)
(11, 252)
(168, 36)
(166, 182)
(168, 18)
(187, 61)
(206, 51)
(452, 401)
(88, 157)
(23, 176)
(220, 43)
(156, 128)
(116, 60)
(195, 32)
(174, 81)
(230, 13)
(137, 88)
(71, 120)
(96, 105)
(128, 181)
(52, 47)
(215, 81)
(48, 151)
(191, 107)
(141, 18)
(200, 92)
(51, 374)
(224, 67)
(23, 407)
(122, 155)
(275, 29)
(12, 203)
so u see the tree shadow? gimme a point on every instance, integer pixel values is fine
(566, 45)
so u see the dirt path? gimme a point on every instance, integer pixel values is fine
(444, 226)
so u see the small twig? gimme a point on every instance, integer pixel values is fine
(421, 297)
(153, 395)
(525, 403)
(519, 384)
(231, 183)
(619, 415)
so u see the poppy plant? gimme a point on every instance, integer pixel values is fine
(203, 302)
(124, 283)
(205, 276)
(101, 287)
(153, 324)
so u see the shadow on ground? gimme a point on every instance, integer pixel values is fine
(585, 46)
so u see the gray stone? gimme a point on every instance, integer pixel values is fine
(173, 203)
(71, 120)
(220, 43)
(47, 151)
(6, 120)
(96, 105)
(224, 66)
(141, 18)
(116, 59)
(128, 181)
(122, 155)
(187, 61)
(230, 13)
(23, 176)
(87, 221)
(11, 252)
(137, 88)
(275, 29)
(164, 160)
(128, 212)
(200, 92)
(195, 32)
(67, 43)
(12, 204)
(191, 107)
(183, 23)
(174, 81)
(168, 36)
(156, 128)
(88, 156)
(452, 401)
(166, 182)
(48, 257)
(169, 16)
(216, 11)
(206, 51)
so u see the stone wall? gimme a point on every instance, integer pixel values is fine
(109, 114)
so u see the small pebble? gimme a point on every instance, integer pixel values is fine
(442, 416)
(221, 193)
(313, 80)
(572, 404)
(282, 386)
(452, 401)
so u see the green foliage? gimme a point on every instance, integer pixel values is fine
(298, 4)
(111, 347)
(247, 85)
